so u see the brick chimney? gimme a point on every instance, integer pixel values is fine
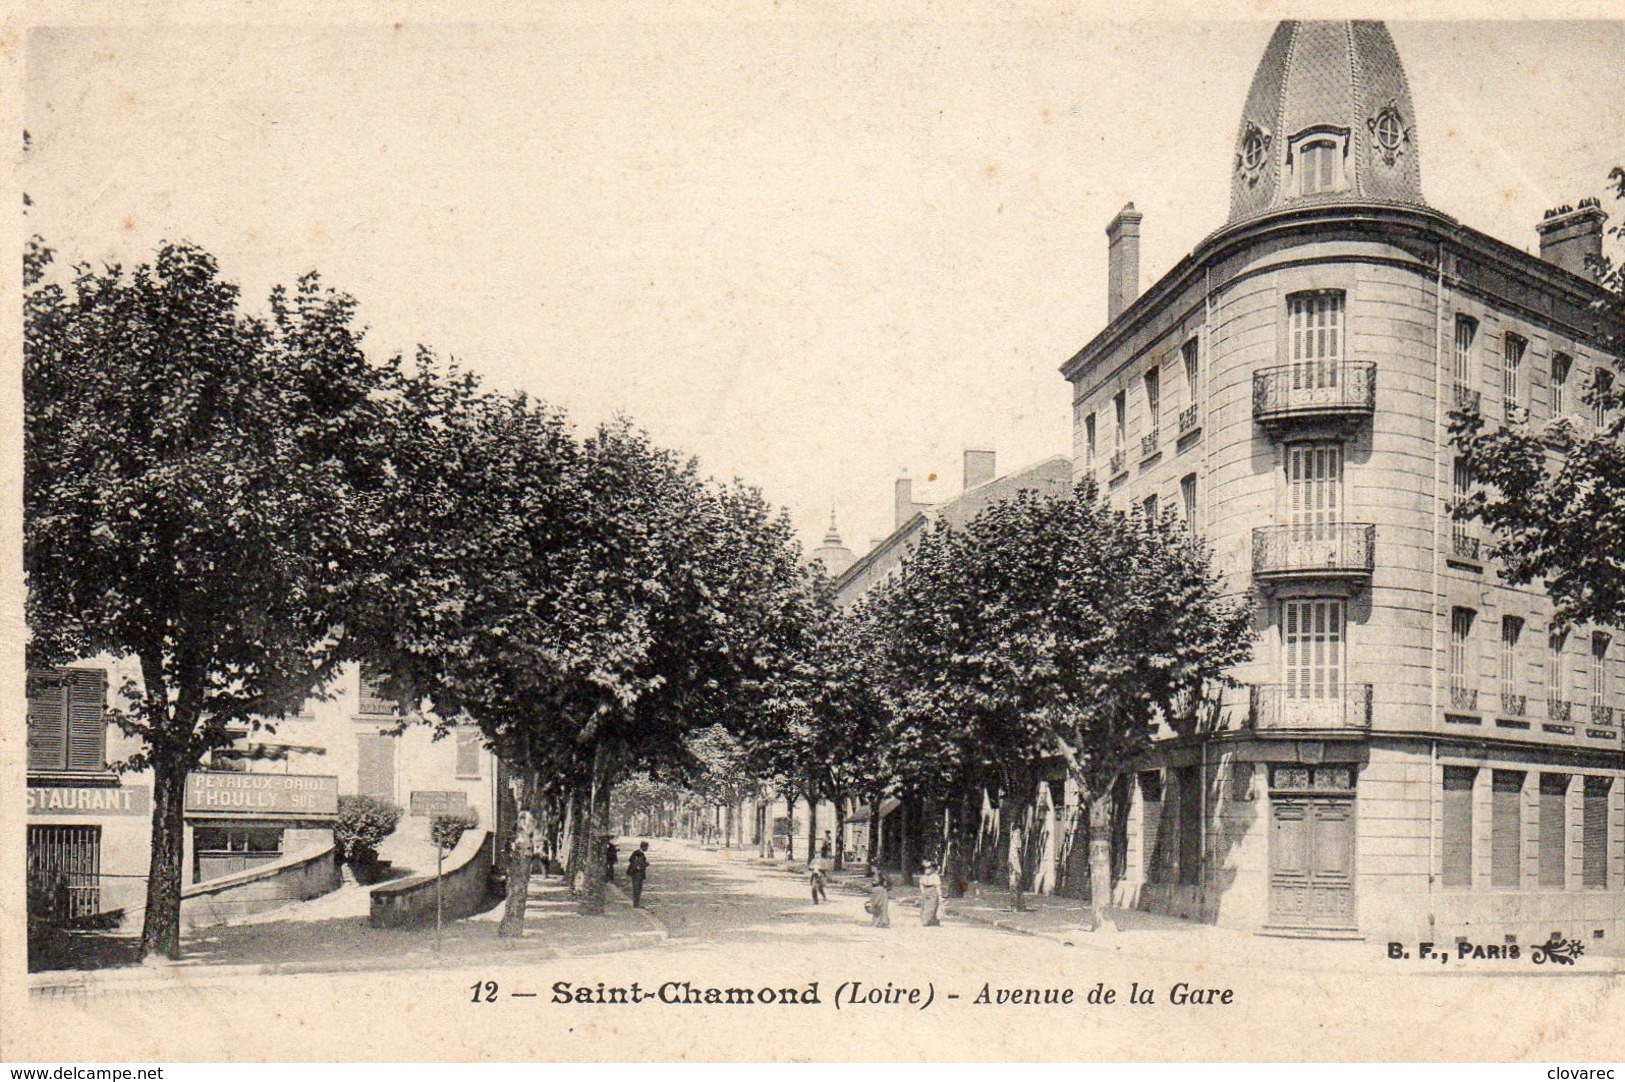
(1568, 235)
(1122, 260)
(978, 468)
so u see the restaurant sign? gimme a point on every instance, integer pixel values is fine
(278, 795)
(70, 800)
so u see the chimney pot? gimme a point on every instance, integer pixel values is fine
(1122, 260)
(903, 499)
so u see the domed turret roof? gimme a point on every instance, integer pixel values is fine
(1328, 120)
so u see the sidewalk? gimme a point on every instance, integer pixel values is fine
(314, 942)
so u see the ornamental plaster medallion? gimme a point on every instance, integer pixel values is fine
(1253, 151)
(1389, 133)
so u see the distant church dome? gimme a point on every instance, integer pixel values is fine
(834, 555)
(1328, 120)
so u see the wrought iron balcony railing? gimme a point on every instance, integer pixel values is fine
(1514, 706)
(1150, 443)
(1463, 698)
(1602, 715)
(1296, 706)
(372, 705)
(1464, 546)
(1119, 462)
(1189, 417)
(1314, 391)
(1465, 399)
(1335, 550)
(1559, 710)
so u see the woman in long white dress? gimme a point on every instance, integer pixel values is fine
(930, 895)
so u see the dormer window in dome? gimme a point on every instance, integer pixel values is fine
(1315, 161)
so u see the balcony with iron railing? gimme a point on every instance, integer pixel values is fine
(1463, 698)
(1344, 551)
(1150, 444)
(1559, 710)
(1295, 707)
(1119, 463)
(1514, 705)
(1190, 418)
(1464, 399)
(1314, 391)
(1465, 546)
(1603, 716)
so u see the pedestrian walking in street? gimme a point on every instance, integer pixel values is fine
(930, 896)
(815, 879)
(611, 855)
(637, 867)
(879, 904)
(826, 848)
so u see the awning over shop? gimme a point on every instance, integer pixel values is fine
(887, 806)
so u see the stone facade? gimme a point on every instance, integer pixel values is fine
(1408, 755)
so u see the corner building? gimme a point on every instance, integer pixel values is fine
(1415, 752)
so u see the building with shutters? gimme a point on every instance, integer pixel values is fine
(1415, 752)
(268, 800)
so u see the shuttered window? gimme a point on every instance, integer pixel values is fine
(1561, 363)
(1314, 481)
(1119, 420)
(1462, 370)
(468, 752)
(1512, 372)
(375, 767)
(1315, 322)
(1151, 825)
(1190, 825)
(1506, 829)
(1089, 440)
(1312, 647)
(1461, 630)
(67, 720)
(1511, 632)
(1153, 399)
(1594, 834)
(1193, 370)
(1601, 693)
(1458, 825)
(1553, 845)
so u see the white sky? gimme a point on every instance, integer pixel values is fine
(816, 252)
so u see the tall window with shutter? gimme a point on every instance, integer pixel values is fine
(67, 720)
(1312, 647)
(1314, 480)
(1191, 353)
(1462, 362)
(468, 751)
(1561, 363)
(1457, 826)
(1315, 329)
(1119, 420)
(1461, 632)
(1187, 498)
(1461, 533)
(1601, 685)
(1511, 632)
(375, 765)
(1089, 441)
(1153, 400)
(1506, 829)
(1603, 389)
(1594, 833)
(1553, 841)
(1512, 375)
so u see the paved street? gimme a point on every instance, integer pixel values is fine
(736, 924)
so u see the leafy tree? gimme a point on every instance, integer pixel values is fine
(195, 484)
(1533, 484)
(363, 823)
(1053, 628)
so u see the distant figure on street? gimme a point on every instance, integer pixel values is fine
(826, 848)
(637, 866)
(815, 879)
(611, 855)
(879, 904)
(930, 895)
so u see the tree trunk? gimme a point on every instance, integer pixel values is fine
(161, 927)
(840, 832)
(905, 838)
(956, 851)
(597, 832)
(874, 832)
(1100, 858)
(576, 818)
(520, 852)
(790, 830)
(812, 826)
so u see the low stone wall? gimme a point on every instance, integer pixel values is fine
(465, 888)
(294, 878)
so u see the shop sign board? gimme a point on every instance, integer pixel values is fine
(439, 802)
(85, 800)
(312, 796)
